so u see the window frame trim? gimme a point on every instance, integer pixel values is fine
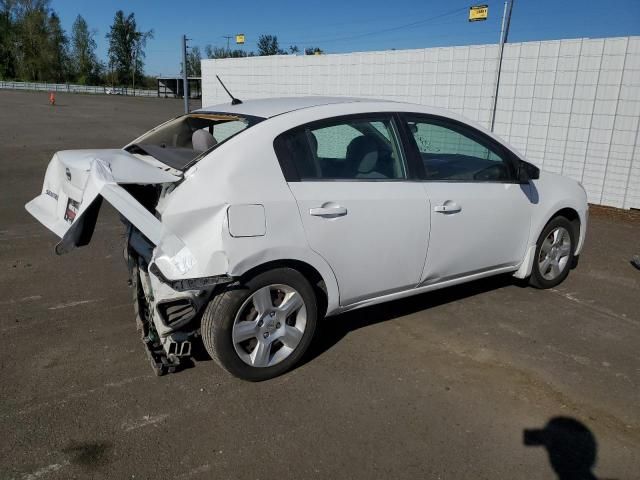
(469, 132)
(290, 171)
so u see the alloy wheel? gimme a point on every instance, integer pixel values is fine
(269, 325)
(555, 253)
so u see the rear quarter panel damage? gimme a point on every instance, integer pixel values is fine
(241, 176)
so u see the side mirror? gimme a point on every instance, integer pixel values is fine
(527, 172)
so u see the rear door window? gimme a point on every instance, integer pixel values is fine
(350, 148)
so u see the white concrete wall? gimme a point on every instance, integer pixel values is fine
(571, 106)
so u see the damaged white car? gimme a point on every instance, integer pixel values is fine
(249, 222)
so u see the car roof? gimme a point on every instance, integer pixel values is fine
(270, 107)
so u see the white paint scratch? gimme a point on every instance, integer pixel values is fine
(71, 304)
(144, 421)
(32, 297)
(73, 396)
(125, 381)
(41, 472)
(195, 471)
(591, 306)
(24, 299)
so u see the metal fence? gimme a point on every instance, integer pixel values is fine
(571, 106)
(71, 88)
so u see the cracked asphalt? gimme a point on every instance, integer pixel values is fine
(441, 386)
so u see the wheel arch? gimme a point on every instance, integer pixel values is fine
(314, 277)
(565, 209)
(314, 269)
(570, 214)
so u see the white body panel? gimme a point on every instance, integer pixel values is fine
(378, 242)
(550, 194)
(490, 230)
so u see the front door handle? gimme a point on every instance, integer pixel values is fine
(447, 207)
(328, 212)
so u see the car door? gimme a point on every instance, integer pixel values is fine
(481, 213)
(359, 208)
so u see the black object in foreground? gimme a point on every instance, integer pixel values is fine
(635, 261)
(571, 447)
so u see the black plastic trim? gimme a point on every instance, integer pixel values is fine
(199, 283)
(163, 310)
(414, 161)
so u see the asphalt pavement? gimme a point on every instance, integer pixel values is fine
(445, 385)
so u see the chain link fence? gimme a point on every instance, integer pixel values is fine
(71, 88)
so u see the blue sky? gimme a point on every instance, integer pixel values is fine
(343, 26)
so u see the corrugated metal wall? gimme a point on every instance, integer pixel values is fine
(571, 106)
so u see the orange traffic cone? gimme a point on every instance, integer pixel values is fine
(52, 98)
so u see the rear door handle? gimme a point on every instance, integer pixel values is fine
(447, 207)
(328, 212)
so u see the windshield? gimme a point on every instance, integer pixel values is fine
(181, 142)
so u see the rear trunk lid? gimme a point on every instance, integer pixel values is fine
(75, 183)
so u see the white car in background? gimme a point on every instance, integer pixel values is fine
(249, 222)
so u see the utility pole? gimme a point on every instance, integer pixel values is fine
(228, 37)
(185, 81)
(135, 61)
(504, 35)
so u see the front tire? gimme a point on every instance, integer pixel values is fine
(261, 328)
(554, 254)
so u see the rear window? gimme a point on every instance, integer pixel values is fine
(182, 141)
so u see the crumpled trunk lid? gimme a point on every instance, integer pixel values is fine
(75, 183)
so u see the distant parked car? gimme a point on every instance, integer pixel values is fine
(114, 91)
(249, 222)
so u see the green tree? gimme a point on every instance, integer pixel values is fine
(193, 62)
(31, 40)
(38, 43)
(33, 45)
(268, 45)
(8, 62)
(148, 82)
(126, 48)
(215, 52)
(85, 64)
(220, 52)
(313, 51)
(57, 59)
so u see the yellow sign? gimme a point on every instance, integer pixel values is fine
(240, 39)
(478, 13)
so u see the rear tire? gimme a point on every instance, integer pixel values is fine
(554, 255)
(260, 328)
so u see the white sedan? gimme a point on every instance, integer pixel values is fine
(249, 222)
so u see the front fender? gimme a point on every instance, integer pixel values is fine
(556, 193)
(553, 193)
